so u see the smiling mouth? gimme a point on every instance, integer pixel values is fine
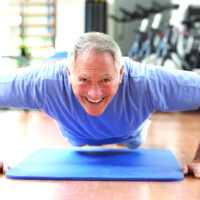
(95, 101)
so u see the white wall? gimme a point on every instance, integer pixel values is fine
(183, 5)
(70, 22)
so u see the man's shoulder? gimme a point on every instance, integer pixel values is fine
(133, 68)
(137, 69)
(49, 71)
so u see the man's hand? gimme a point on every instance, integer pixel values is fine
(192, 168)
(4, 167)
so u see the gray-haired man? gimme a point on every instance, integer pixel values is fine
(98, 97)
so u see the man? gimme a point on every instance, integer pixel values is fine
(98, 97)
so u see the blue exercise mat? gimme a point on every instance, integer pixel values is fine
(98, 164)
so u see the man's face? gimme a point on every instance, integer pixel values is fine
(95, 81)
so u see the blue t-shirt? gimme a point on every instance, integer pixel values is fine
(144, 90)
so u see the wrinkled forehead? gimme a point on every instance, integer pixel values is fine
(95, 58)
(94, 63)
(91, 51)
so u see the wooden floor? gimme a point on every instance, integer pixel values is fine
(24, 132)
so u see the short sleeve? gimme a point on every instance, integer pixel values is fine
(173, 90)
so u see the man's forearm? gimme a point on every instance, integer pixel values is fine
(197, 154)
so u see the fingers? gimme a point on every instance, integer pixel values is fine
(185, 169)
(4, 167)
(1, 167)
(193, 168)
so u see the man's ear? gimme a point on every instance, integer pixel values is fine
(121, 74)
(69, 76)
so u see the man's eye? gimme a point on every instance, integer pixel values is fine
(106, 80)
(83, 80)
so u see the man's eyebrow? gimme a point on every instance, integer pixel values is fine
(83, 76)
(106, 76)
(103, 76)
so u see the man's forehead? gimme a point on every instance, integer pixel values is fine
(94, 64)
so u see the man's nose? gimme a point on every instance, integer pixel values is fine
(95, 92)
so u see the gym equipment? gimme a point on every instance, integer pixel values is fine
(167, 49)
(95, 15)
(192, 36)
(148, 45)
(57, 56)
(98, 164)
(141, 12)
(140, 37)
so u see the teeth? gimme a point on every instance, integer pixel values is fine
(95, 101)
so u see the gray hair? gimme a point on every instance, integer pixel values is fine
(96, 42)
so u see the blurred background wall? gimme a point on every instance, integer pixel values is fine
(32, 30)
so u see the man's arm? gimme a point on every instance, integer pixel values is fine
(22, 88)
(174, 90)
(17, 90)
(193, 167)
